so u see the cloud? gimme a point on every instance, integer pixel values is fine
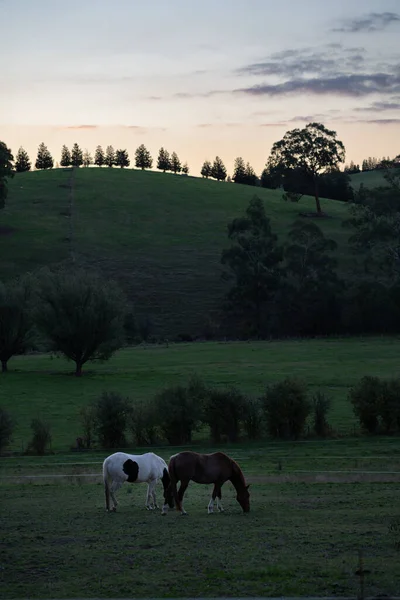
(328, 59)
(378, 121)
(81, 127)
(369, 23)
(379, 107)
(351, 85)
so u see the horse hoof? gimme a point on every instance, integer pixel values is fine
(163, 514)
(114, 509)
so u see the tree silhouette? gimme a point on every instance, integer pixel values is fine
(176, 166)
(206, 169)
(185, 169)
(163, 161)
(76, 156)
(312, 150)
(22, 161)
(6, 170)
(109, 159)
(87, 158)
(44, 160)
(122, 159)
(218, 170)
(143, 158)
(65, 157)
(99, 158)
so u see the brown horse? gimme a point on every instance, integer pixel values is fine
(213, 468)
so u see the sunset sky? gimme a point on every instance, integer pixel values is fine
(222, 77)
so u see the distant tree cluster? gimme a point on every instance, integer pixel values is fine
(216, 170)
(372, 163)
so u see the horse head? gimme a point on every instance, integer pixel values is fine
(168, 495)
(243, 497)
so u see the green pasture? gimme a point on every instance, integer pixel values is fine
(298, 539)
(43, 386)
(159, 235)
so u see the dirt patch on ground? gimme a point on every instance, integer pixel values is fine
(6, 230)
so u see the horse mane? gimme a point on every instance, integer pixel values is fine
(237, 473)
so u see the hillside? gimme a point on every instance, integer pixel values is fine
(159, 234)
(370, 179)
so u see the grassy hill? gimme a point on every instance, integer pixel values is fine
(159, 235)
(370, 179)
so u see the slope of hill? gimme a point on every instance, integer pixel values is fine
(370, 179)
(159, 235)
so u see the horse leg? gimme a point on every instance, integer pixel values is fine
(153, 493)
(212, 501)
(219, 496)
(182, 490)
(148, 498)
(114, 488)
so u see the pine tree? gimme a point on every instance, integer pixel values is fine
(250, 175)
(22, 161)
(218, 170)
(99, 159)
(185, 169)
(239, 170)
(76, 156)
(143, 158)
(176, 166)
(206, 169)
(44, 160)
(65, 157)
(6, 170)
(122, 159)
(109, 159)
(87, 158)
(163, 161)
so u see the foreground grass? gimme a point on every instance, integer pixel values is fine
(159, 235)
(42, 386)
(298, 539)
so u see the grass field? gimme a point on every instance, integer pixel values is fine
(42, 386)
(370, 179)
(301, 537)
(159, 235)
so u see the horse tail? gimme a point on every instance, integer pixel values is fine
(106, 486)
(173, 481)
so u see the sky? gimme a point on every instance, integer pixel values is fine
(217, 77)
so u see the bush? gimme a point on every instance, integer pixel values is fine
(112, 413)
(365, 397)
(286, 408)
(390, 405)
(321, 407)
(143, 424)
(178, 414)
(88, 425)
(41, 438)
(6, 428)
(224, 411)
(253, 418)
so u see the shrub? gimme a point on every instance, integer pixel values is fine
(143, 424)
(286, 408)
(389, 409)
(15, 320)
(365, 397)
(41, 438)
(112, 413)
(224, 411)
(178, 414)
(88, 425)
(321, 406)
(253, 418)
(6, 428)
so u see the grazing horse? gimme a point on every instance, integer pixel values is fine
(145, 468)
(213, 468)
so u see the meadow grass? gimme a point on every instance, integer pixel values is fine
(43, 386)
(298, 539)
(159, 235)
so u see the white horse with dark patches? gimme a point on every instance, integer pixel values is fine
(144, 468)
